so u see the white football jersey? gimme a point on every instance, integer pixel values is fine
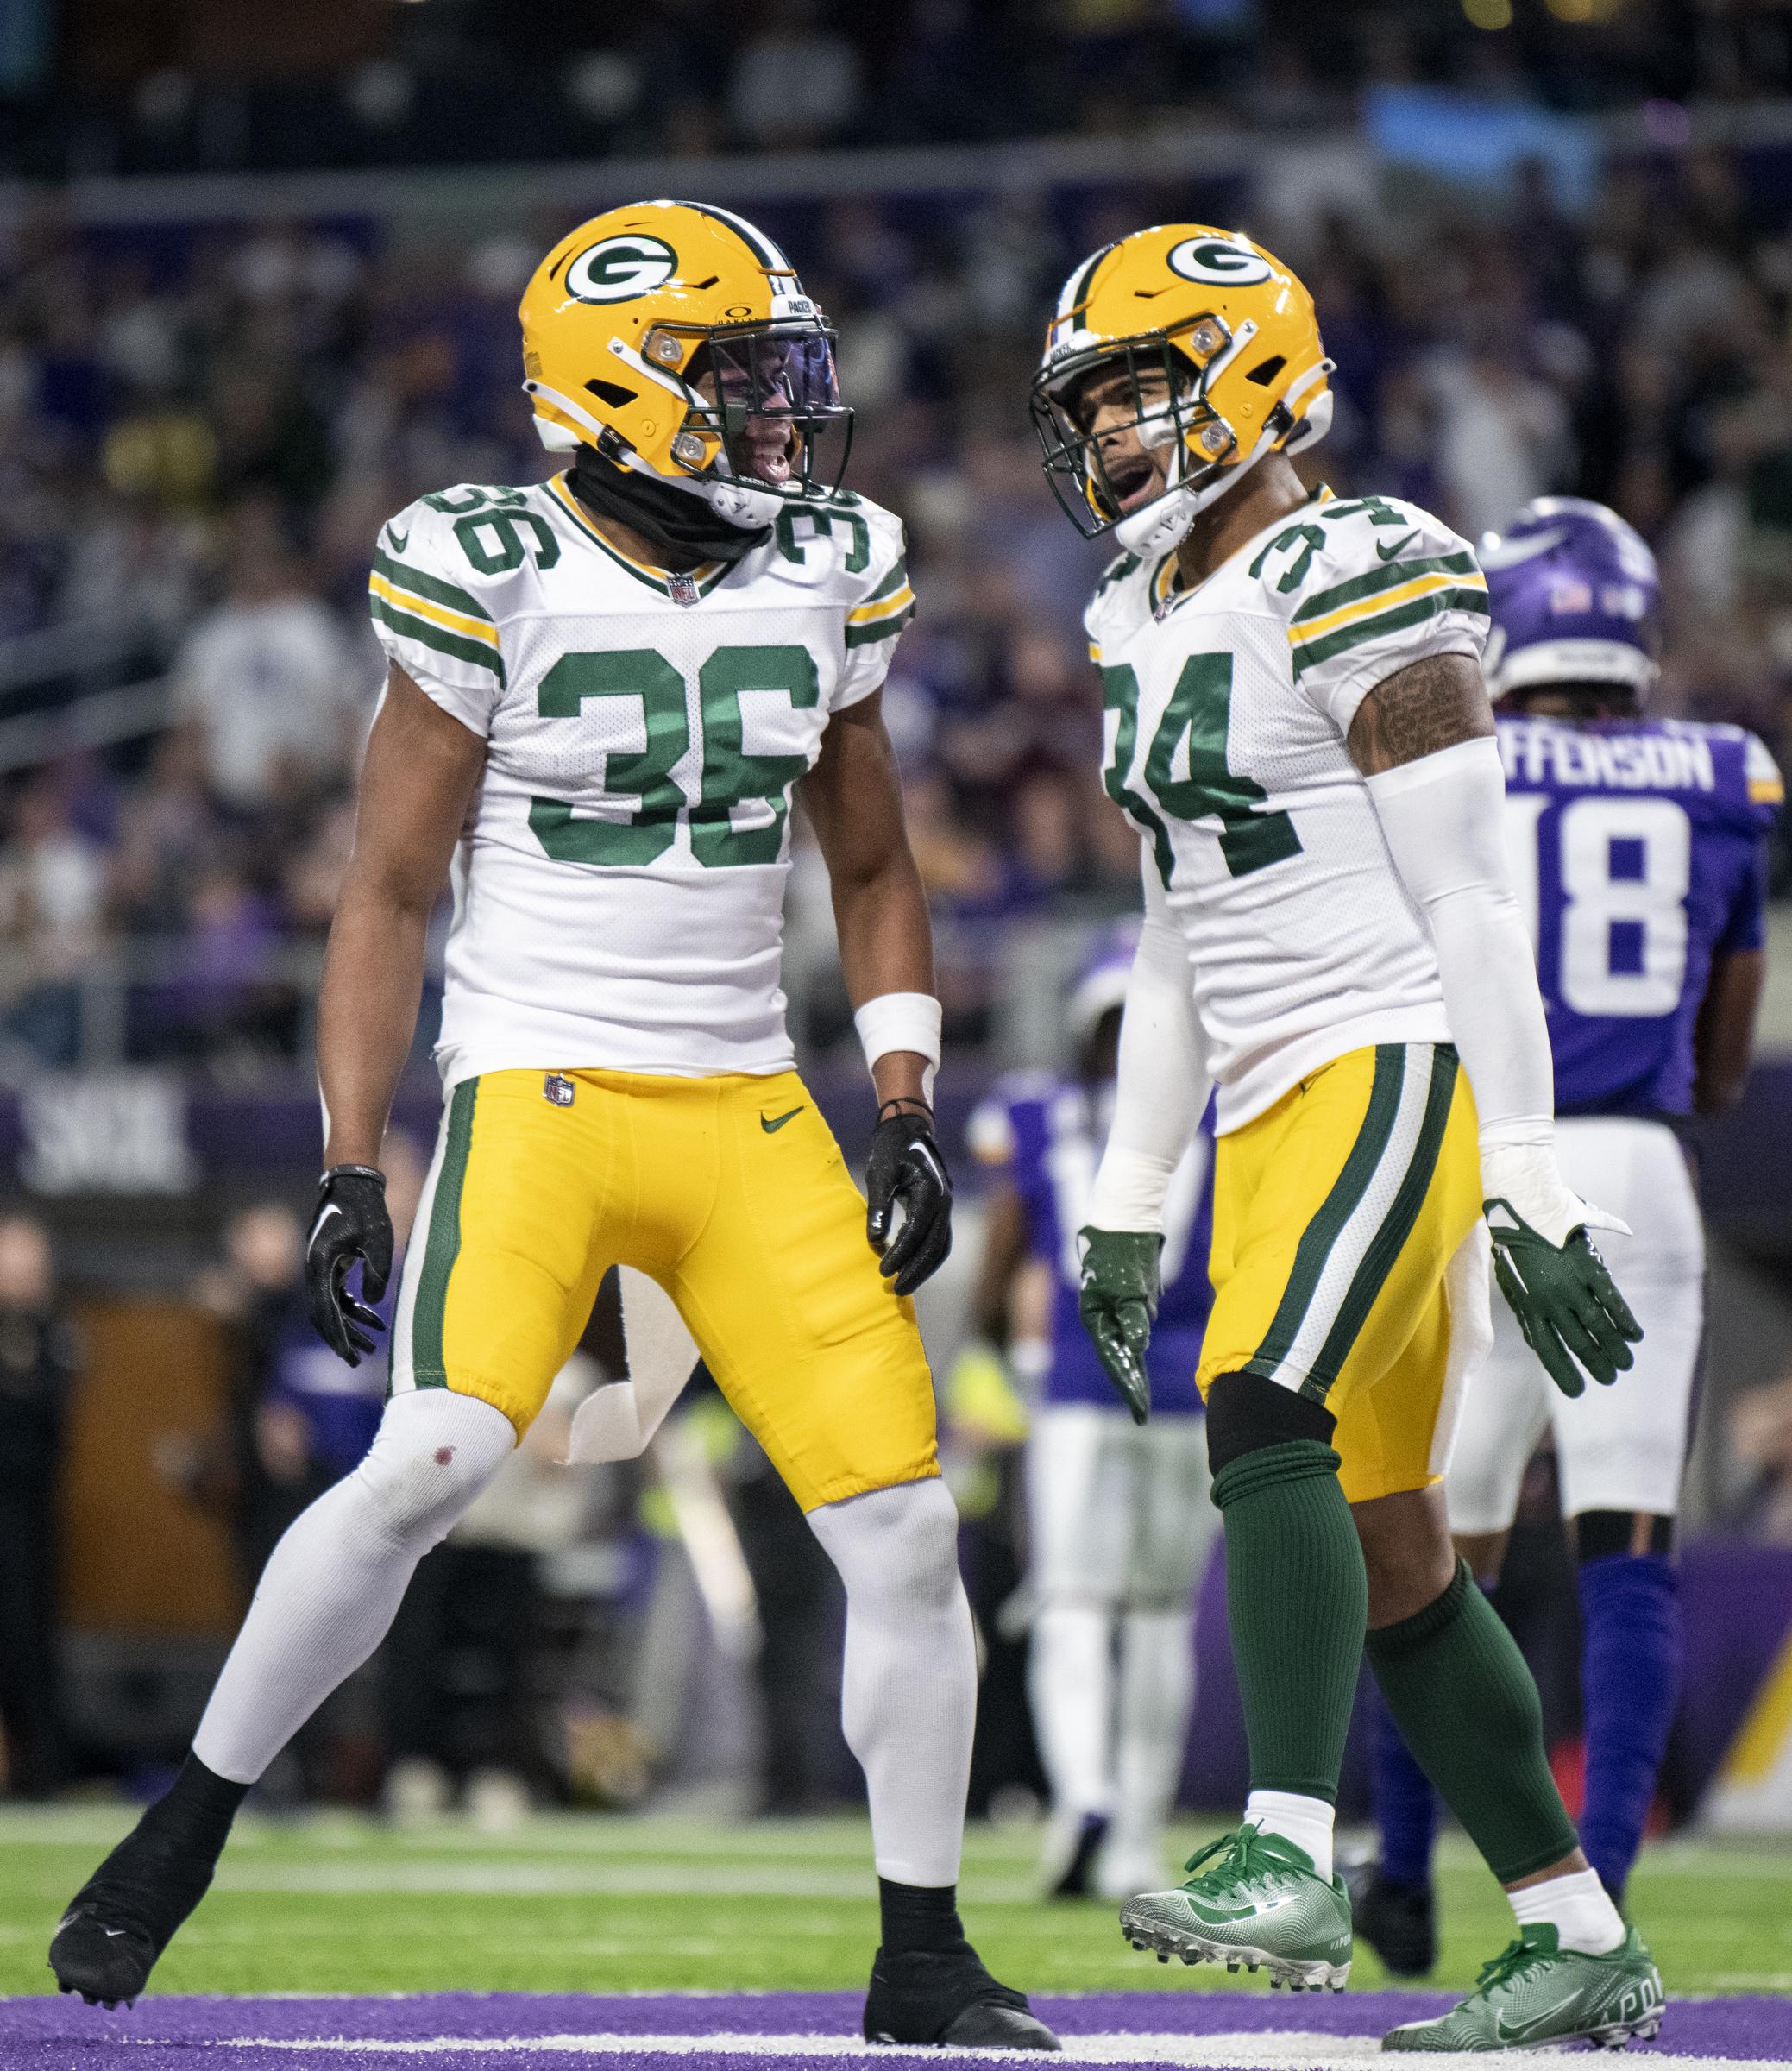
(619, 888)
(1227, 708)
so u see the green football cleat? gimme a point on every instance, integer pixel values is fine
(1536, 1995)
(1255, 1902)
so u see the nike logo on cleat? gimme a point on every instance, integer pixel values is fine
(772, 1123)
(112, 1933)
(1400, 547)
(1534, 2025)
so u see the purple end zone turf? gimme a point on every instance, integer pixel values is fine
(171, 2033)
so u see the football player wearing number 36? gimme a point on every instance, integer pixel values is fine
(1298, 729)
(603, 691)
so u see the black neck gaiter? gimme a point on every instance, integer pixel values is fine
(670, 517)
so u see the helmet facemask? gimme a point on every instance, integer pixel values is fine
(1093, 472)
(763, 413)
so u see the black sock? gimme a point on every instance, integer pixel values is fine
(194, 1816)
(919, 1916)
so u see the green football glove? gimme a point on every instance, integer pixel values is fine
(1118, 1302)
(1566, 1301)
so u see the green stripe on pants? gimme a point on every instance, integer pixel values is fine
(443, 1245)
(1385, 1245)
(1334, 1211)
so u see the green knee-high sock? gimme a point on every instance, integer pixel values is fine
(1297, 1601)
(1460, 1692)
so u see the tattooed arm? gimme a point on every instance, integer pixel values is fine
(1431, 705)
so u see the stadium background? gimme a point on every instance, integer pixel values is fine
(258, 272)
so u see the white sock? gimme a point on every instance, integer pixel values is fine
(332, 1586)
(1578, 1906)
(1157, 1691)
(908, 1687)
(1304, 1820)
(1070, 1682)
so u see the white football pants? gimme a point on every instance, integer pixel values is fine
(1617, 1448)
(1122, 1524)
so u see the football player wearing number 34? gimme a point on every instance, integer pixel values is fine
(603, 691)
(1299, 728)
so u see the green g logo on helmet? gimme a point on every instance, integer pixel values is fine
(620, 268)
(1217, 262)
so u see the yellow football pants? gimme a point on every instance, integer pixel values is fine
(1338, 1216)
(730, 1193)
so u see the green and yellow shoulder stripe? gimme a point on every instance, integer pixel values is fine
(884, 613)
(439, 616)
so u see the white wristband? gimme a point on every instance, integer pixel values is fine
(902, 1021)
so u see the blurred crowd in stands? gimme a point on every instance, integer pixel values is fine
(213, 86)
(200, 433)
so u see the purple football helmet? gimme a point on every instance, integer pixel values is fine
(1575, 598)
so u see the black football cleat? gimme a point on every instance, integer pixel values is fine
(944, 1999)
(121, 1919)
(1070, 1873)
(1397, 1921)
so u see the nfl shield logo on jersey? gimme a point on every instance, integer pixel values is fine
(558, 1088)
(681, 588)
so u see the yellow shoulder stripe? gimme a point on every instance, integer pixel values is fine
(1379, 601)
(882, 607)
(437, 615)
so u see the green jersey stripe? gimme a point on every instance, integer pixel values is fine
(1317, 1240)
(1390, 577)
(443, 1245)
(891, 583)
(1361, 631)
(1385, 1245)
(431, 587)
(438, 637)
(880, 629)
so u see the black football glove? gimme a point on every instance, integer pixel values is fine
(349, 1222)
(1117, 1300)
(905, 1166)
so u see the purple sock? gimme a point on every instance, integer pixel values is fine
(1405, 1806)
(1630, 1682)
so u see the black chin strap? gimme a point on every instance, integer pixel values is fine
(670, 517)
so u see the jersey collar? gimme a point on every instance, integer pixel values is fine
(683, 587)
(1167, 590)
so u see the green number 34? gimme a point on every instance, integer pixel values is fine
(1200, 713)
(730, 776)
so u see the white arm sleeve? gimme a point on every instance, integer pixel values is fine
(1164, 1084)
(1444, 820)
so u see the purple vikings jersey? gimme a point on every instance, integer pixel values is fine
(1636, 844)
(1637, 855)
(1041, 1132)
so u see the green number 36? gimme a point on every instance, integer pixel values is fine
(730, 776)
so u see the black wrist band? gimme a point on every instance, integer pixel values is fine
(365, 1172)
(901, 1102)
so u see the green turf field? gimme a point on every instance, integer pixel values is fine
(607, 1904)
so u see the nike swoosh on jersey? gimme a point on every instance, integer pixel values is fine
(401, 541)
(772, 1124)
(1400, 547)
(1520, 2031)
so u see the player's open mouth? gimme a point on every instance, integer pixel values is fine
(1134, 481)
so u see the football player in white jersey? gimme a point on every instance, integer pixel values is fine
(1297, 724)
(602, 692)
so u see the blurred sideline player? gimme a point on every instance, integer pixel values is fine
(602, 691)
(1637, 852)
(1120, 1526)
(1299, 728)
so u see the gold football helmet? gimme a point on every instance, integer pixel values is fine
(676, 341)
(1230, 336)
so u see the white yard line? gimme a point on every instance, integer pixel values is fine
(1314, 2052)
